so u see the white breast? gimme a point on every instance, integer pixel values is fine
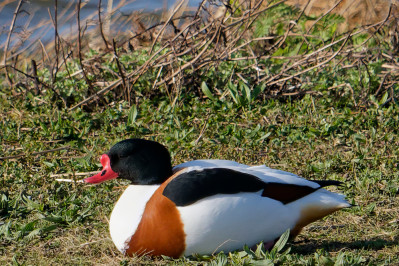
(127, 213)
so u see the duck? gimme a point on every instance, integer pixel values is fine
(205, 206)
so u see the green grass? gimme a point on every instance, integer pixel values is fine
(346, 130)
(44, 221)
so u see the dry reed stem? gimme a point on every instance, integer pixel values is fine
(101, 26)
(173, 13)
(9, 38)
(121, 74)
(56, 40)
(88, 81)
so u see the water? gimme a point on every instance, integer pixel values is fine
(34, 21)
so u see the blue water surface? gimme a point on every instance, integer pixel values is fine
(34, 21)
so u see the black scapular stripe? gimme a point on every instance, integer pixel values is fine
(325, 183)
(192, 186)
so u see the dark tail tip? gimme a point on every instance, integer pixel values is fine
(325, 183)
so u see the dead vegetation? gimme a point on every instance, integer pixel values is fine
(184, 45)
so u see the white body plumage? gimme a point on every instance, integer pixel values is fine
(227, 221)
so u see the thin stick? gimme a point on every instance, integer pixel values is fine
(69, 180)
(122, 75)
(36, 78)
(35, 153)
(101, 25)
(56, 41)
(108, 17)
(325, 14)
(166, 23)
(41, 82)
(119, 81)
(74, 174)
(9, 37)
(97, 94)
(80, 48)
(56, 48)
(313, 67)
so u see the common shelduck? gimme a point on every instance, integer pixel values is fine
(205, 206)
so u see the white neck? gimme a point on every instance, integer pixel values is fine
(127, 213)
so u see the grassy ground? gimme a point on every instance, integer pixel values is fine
(341, 124)
(45, 221)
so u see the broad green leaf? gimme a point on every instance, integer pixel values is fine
(206, 91)
(384, 98)
(247, 92)
(233, 92)
(131, 119)
(49, 228)
(265, 262)
(282, 241)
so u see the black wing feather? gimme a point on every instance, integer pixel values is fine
(325, 183)
(189, 187)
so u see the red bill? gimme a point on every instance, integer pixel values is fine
(105, 174)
